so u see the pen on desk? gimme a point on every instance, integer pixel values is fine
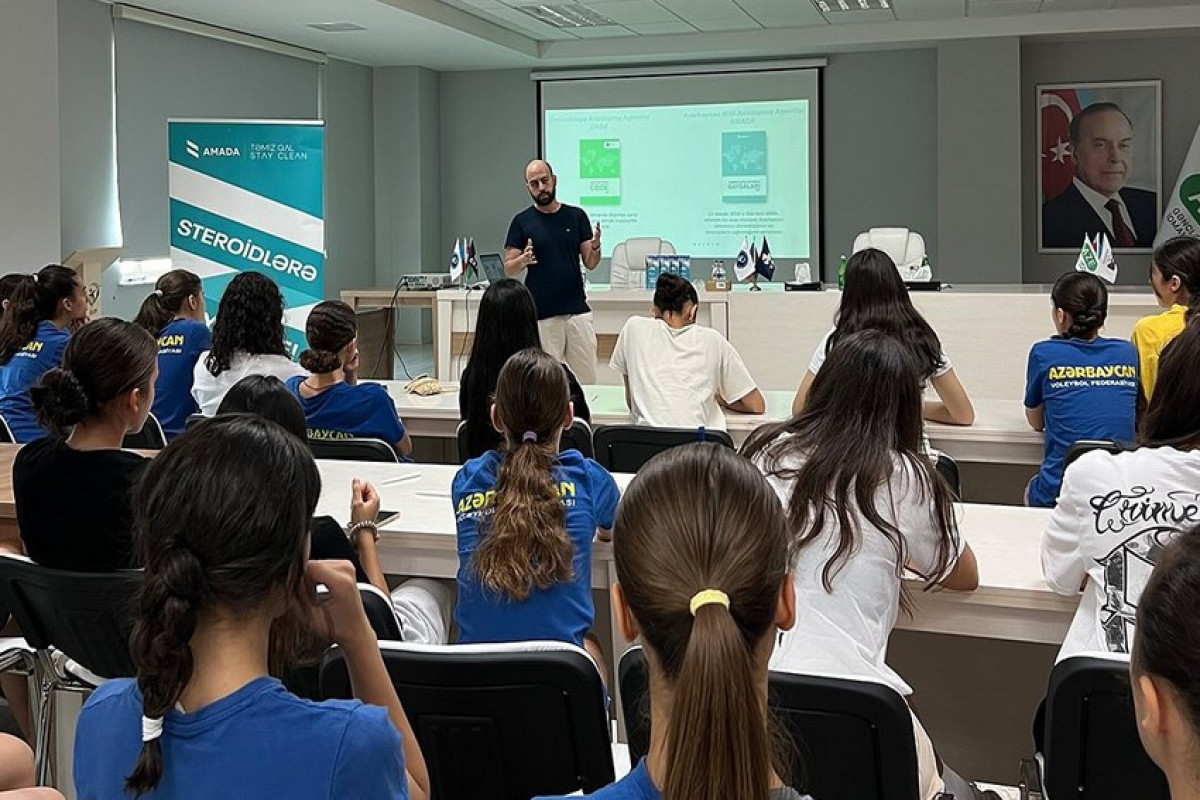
(439, 495)
(411, 476)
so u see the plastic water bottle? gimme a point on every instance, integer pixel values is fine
(653, 263)
(718, 270)
(842, 273)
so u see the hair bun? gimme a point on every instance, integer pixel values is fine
(320, 362)
(60, 400)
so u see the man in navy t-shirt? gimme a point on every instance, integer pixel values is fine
(547, 241)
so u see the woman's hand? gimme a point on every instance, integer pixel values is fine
(337, 616)
(364, 501)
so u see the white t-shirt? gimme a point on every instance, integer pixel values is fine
(675, 374)
(1115, 513)
(209, 391)
(844, 632)
(818, 358)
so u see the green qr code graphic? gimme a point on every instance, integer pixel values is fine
(600, 171)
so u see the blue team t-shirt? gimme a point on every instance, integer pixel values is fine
(260, 741)
(350, 412)
(554, 281)
(1089, 390)
(562, 613)
(43, 353)
(637, 785)
(180, 343)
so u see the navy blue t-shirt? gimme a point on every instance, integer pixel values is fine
(43, 353)
(259, 741)
(562, 613)
(1089, 390)
(180, 343)
(342, 411)
(554, 281)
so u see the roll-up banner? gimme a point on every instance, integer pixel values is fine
(249, 195)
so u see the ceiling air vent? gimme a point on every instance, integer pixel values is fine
(336, 27)
(839, 6)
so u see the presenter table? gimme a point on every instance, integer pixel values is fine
(377, 342)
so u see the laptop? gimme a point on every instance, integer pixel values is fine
(492, 265)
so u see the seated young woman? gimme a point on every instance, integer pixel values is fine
(1175, 280)
(221, 525)
(247, 339)
(335, 404)
(677, 373)
(864, 504)
(1116, 512)
(423, 605)
(527, 515)
(103, 390)
(174, 315)
(507, 323)
(705, 584)
(876, 298)
(42, 312)
(1165, 665)
(1079, 385)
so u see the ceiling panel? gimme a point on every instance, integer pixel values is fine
(742, 23)
(661, 28)
(601, 32)
(1152, 3)
(855, 17)
(1074, 5)
(927, 10)
(633, 12)
(521, 22)
(782, 13)
(689, 10)
(1001, 8)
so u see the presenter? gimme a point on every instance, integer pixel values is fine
(548, 241)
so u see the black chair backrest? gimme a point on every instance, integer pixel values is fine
(507, 722)
(353, 450)
(577, 437)
(948, 468)
(1087, 445)
(6, 436)
(625, 448)
(1092, 747)
(88, 616)
(851, 738)
(150, 437)
(380, 613)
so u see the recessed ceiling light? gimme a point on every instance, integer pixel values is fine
(336, 27)
(566, 15)
(840, 6)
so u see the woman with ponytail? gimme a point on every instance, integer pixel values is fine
(1175, 279)
(174, 315)
(1079, 385)
(221, 526)
(704, 582)
(527, 516)
(103, 391)
(42, 312)
(335, 405)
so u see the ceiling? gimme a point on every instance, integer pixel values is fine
(491, 34)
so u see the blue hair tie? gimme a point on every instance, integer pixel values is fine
(530, 436)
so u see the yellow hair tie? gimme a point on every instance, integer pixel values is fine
(707, 597)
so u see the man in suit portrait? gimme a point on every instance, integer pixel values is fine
(1097, 199)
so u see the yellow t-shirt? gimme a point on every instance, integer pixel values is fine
(1150, 336)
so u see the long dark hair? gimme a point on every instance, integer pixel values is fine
(9, 283)
(249, 320)
(1173, 417)
(863, 413)
(524, 543)
(875, 298)
(671, 542)
(506, 324)
(331, 326)
(1167, 639)
(221, 519)
(103, 361)
(1180, 257)
(35, 298)
(1085, 300)
(171, 291)
(269, 398)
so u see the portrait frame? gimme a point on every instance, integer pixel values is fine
(1058, 224)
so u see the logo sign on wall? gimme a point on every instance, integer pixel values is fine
(249, 196)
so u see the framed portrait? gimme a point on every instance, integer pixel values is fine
(1099, 164)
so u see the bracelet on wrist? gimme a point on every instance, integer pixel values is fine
(366, 524)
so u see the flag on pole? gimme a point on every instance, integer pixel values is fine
(1096, 257)
(765, 266)
(457, 260)
(743, 268)
(472, 258)
(1181, 217)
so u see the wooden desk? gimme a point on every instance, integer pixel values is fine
(1000, 434)
(387, 300)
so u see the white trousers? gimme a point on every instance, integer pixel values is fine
(572, 338)
(424, 608)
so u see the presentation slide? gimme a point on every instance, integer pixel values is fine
(702, 176)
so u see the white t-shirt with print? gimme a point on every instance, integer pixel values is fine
(818, 357)
(844, 632)
(209, 391)
(1115, 514)
(675, 374)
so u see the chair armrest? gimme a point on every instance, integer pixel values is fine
(1030, 781)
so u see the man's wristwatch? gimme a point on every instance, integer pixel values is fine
(352, 531)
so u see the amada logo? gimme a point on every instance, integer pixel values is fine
(196, 151)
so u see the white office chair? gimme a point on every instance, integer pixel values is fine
(906, 248)
(628, 261)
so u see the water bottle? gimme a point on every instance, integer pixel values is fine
(842, 273)
(653, 264)
(718, 270)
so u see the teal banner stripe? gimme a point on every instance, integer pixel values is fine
(282, 162)
(241, 247)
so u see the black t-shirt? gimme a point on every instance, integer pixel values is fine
(481, 436)
(74, 507)
(554, 281)
(329, 543)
